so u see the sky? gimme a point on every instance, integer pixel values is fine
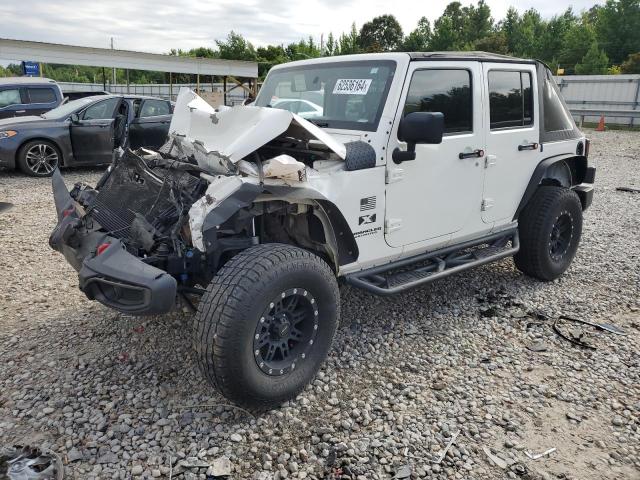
(157, 25)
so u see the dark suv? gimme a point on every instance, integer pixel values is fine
(22, 96)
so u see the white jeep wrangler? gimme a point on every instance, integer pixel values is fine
(407, 168)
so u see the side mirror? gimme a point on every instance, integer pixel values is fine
(75, 118)
(418, 127)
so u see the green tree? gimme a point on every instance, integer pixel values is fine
(448, 29)
(477, 22)
(576, 43)
(382, 34)
(495, 42)
(419, 39)
(631, 64)
(235, 47)
(617, 25)
(595, 62)
(553, 37)
(349, 43)
(332, 47)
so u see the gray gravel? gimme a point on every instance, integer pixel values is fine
(120, 397)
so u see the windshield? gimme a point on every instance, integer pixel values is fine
(347, 95)
(68, 108)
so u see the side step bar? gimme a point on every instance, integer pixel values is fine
(402, 275)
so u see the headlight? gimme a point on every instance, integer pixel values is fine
(7, 134)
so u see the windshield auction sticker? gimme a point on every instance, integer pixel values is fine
(352, 86)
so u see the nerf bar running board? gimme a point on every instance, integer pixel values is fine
(441, 263)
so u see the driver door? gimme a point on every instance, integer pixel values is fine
(92, 135)
(437, 195)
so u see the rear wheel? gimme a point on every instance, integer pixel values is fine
(266, 323)
(550, 227)
(39, 158)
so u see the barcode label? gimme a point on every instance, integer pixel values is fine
(352, 86)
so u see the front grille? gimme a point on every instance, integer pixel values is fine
(159, 195)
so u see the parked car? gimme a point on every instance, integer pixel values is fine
(83, 132)
(421, 166)
(304, 108)
(23, 96)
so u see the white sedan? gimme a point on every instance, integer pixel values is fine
(304, 108)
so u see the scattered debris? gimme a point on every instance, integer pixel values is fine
(30, 463)
(573, 336)
(577, 336)
(538, 347)
(494, 458)
(446, 449)
(519, 469)
(539, 455)
(574, 416)
(403, 472)
(628, 189)
(221, 467)
(4, 206)
(607, 327)
(74, 455)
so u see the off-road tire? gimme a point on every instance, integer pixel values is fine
(549, 207)
(234, 303)
(33, 146)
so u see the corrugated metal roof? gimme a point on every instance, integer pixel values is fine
(104, 57)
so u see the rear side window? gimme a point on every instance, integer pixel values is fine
(41, 95)
(556, 116)
(102, 110)
(154, 108)
(445, 91)
(510, 99)
(10, 97)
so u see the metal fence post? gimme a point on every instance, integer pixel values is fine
(635, 107)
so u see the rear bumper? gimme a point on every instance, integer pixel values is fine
(113, 277)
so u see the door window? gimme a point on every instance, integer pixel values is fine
(154, 108)
(41, 95)
(102, 110)
(10, 97)
(510, 99)
(446, 91)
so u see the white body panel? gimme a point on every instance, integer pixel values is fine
(508, 170)
(437, 194)
(393, 211)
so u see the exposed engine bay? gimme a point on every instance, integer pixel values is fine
(221, 184)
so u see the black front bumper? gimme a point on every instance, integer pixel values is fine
(108, 274)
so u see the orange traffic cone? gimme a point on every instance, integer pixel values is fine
(600, 127)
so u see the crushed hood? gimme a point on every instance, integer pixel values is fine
(219, 139)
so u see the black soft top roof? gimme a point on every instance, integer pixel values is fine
(477, 56)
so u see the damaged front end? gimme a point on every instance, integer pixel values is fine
(162, 223)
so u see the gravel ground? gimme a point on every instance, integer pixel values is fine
(120, 397)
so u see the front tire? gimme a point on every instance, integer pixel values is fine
(39, 158)
(550, 227)
(266, 324)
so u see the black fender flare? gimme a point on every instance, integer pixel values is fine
(345, 242)
(576, 163)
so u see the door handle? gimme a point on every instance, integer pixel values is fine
(21, 111)
(474, 154)
(528, 146)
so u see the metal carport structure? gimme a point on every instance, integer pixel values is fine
(129, 60)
